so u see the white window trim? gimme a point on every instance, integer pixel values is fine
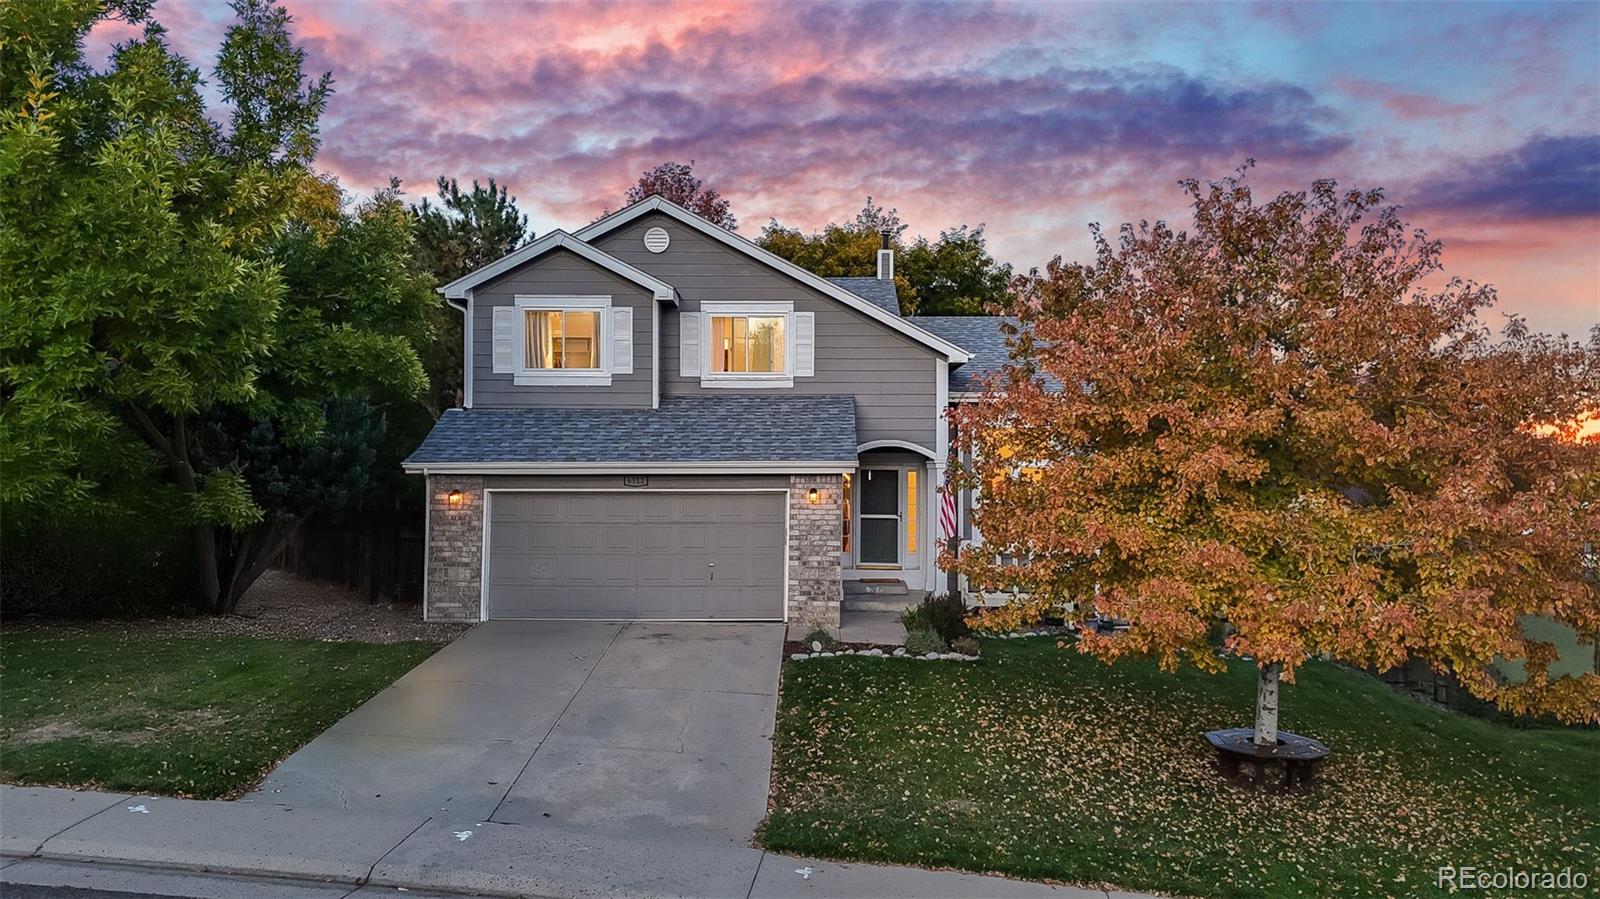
(709, 378)
(558, 377)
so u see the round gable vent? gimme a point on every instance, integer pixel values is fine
(656, 240)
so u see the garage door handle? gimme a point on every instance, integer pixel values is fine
(713, 567)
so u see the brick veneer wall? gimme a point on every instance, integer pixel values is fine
(816, 531)
(455, 550)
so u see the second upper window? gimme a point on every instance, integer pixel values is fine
(749, 344)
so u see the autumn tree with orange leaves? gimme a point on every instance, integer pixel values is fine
(1268, 425)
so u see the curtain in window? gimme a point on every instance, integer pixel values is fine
(544, 337)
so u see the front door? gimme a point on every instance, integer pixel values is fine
(888, 519)
(880, 517)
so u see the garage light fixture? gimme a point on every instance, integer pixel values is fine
(813, 496)
(455, 498)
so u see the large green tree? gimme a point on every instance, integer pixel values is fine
(172, 290)
(953, 275)
(464, 231)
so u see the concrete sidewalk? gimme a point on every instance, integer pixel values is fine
(442, 855)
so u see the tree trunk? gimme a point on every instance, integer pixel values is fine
(253, 552)
(1267, 704)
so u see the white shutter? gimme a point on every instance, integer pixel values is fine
(505, 339)
(689, 344)
(805, 344)
(622, 341)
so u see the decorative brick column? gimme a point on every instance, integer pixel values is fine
(455, 550)
(816, 531)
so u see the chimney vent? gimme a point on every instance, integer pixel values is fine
(885, 259)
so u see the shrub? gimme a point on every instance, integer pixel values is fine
(75, 571)
(821, 635)
(967, 646)
(941, 613)
(923, 641)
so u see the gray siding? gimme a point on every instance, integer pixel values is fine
(891, 376)
(560, 272)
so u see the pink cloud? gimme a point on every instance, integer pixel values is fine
(1033, 121)
(1405, 104)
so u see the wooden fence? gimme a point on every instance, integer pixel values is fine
(379, 554)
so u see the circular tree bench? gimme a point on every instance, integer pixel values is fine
(1297, 756)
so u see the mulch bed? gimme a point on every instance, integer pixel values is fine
(281, 606)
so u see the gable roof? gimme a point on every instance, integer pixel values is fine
(660, 204)
(559, 239)
(875, 291)
(749, 429)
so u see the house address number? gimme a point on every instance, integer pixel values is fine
(635, 480)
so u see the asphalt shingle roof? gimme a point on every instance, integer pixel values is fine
(879, 293)
(686, 429)
(977, 334)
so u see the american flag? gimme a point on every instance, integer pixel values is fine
(947, 513)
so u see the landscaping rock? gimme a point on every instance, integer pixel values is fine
(931, 656)
(798, 657)
(816, 645)
(899, 650)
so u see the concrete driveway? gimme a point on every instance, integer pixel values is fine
(631, 728)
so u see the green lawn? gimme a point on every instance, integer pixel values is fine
(186, 716)
(1041, 763)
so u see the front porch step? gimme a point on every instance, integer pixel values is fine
(895, 599)
(868, 604)
(881, 586)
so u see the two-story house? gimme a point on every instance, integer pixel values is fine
(664, 421)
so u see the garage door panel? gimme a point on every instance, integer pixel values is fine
(620, 538)
(512, 507)
(636, 555)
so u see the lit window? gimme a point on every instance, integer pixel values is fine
(563, 339)
(847, 506)
(911, 513)
(748, 344)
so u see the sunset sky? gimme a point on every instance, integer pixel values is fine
(1482, 120)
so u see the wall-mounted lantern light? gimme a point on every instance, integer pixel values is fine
(813, 496)
(455, 498)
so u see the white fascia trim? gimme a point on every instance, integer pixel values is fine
(466, 352)
(965, 396)
(532, 468)
(895, 444)
(661, 290)
(657, 203)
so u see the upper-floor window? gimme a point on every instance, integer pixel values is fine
(573, 341)
(562, 339)
(749, 344)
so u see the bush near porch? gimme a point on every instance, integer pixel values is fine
(1041, 763)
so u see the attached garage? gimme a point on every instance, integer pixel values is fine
(636, 554)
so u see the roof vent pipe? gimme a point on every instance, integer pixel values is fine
(886, 258)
